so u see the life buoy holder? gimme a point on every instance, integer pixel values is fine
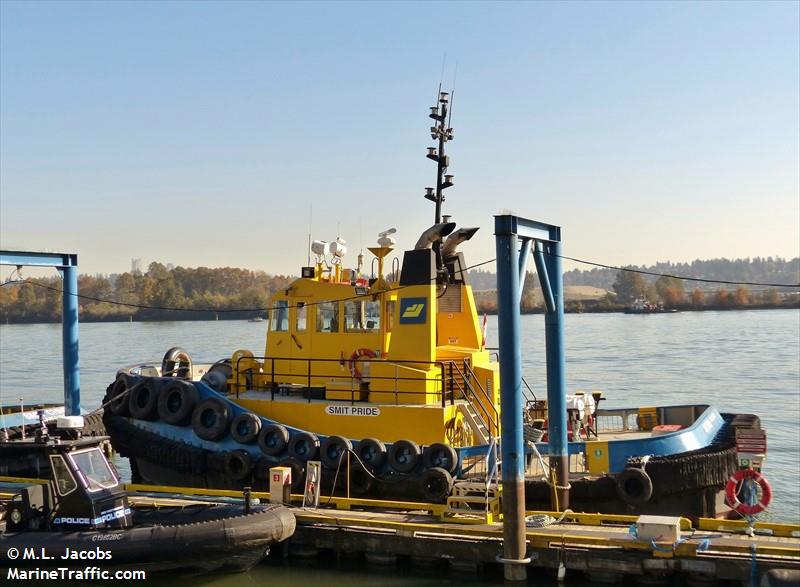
(359, 354)
(732, 490)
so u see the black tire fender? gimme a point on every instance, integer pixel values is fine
(217, 376)
(245, 428)
(372, 453)
(361, 480)
(440, 455)
(238, 465)
(436, 484)
(634, 486)
(118, 403)
(332, 449)
(143, 399)
(272, 439)
(403, 456)
(304, 446)
(261, 469)
(176, 402)
(211, 419)
(176, 363)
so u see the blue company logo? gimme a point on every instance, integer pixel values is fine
(413, 310)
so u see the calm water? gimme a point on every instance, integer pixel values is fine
(745, 361)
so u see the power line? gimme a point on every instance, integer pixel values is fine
(701, 279)
(178, 309)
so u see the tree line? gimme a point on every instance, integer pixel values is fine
(758, 269)
(204, 293)
(665, 291)
(164, 294)
(670, 292)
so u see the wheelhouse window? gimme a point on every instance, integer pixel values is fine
(65, 482)
(361, 316)
(94, 469)
(328, 317)
(301, 313)
(280, 317)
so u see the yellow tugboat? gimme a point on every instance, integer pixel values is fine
(389, 373)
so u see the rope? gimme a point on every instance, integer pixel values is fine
(543, 520)
(363, 467)
(115, 398)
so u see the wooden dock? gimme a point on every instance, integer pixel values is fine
(602, 548)
(604, 552)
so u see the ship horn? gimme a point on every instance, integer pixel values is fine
(435, 233)
(455, 239)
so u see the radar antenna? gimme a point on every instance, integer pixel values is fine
(441, 132)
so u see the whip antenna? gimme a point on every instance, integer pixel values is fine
(452, 97)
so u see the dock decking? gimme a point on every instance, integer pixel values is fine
(601, 547)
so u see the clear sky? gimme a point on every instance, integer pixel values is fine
(202, 133)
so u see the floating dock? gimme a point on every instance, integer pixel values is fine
(604, 548)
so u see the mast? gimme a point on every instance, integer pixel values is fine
(442, 133)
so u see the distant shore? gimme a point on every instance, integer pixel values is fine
(589, 308)
(571, 308)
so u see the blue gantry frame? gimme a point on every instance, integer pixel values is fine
(67, 265)
(515, 239)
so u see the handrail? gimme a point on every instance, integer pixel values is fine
(493, 473)
(532, 394)
(488, 421)
(246, 374)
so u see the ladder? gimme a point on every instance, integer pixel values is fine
(476, 423)
(478, 501)
(473, 502)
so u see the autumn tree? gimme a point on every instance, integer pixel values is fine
(741, 297)
(722, 297)
(629, 286)
(670, 290)
(770, 296)
(698, 297)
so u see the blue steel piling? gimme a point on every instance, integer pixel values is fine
(69, 335)
(513, 233)
(512, 450)
(556, 377)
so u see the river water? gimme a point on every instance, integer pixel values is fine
(743, 361)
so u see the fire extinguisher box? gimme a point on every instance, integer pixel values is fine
(280, 485)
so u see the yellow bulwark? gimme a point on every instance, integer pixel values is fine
(387, 361)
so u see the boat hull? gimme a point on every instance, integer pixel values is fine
(221, 539)
(686, 471)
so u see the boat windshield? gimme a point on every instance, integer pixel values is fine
(65, 482)
(94, 469)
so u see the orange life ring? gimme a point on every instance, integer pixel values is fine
(731, 491)
(358, 354)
